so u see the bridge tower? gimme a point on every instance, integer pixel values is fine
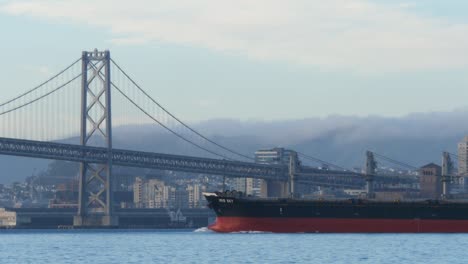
(370, 173)
(447, 167)
(293, 166)
(95, 206)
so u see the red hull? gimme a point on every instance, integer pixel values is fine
(337, 225)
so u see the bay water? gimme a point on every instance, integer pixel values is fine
(205, 246)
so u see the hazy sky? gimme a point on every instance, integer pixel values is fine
(262, 59)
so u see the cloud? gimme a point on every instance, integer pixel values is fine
(358, 35)
(129, 41)
(205, 103)
(407, 5)
(35, 69)
(44, 70)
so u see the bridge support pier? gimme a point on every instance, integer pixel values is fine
(96, 221)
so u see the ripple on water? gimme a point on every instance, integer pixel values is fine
(205, 246)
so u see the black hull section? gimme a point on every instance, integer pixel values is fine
(235, 214)
(350, 209)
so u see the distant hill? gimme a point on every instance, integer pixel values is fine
(18, 168)
(416, 139)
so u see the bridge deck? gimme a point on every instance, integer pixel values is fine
(120, 157)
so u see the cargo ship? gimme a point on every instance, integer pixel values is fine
(237, 213)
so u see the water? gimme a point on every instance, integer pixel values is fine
(204, 246)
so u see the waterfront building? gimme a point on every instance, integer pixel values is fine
(7, 218)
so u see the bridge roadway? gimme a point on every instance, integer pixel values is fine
(347, 179)
(128, 158)
(77, 153)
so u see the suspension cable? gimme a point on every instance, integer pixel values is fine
(164, 126)
(396, 162)
(40, 85)
(177, 119)
(321, 161)
(452, 154)
(40, 97)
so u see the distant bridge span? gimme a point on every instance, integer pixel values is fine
(128, 158)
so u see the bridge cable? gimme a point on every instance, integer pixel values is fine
(321, 161)
(452, 154)
(396, 162)
(178, 120)
(42, 96)
(40, 85)
(170, 130)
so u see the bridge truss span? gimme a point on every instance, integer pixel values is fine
(99, 155)
(51, 150)
(195, 164)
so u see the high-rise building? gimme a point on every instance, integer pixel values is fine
(139, 192)
(274, 156)
(463, 157)
(152, 193)
(245, 185)
(195, 196)
(159, 195)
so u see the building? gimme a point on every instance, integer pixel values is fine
(274, 156)
(245, 185)
(195, 196)
(159, 195)
(463, 157)
(7, 218)
(139, 192)
(430, 181)
(154, 193)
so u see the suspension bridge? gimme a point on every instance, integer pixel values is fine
(70, 117)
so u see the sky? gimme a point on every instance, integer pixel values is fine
(253, 60)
